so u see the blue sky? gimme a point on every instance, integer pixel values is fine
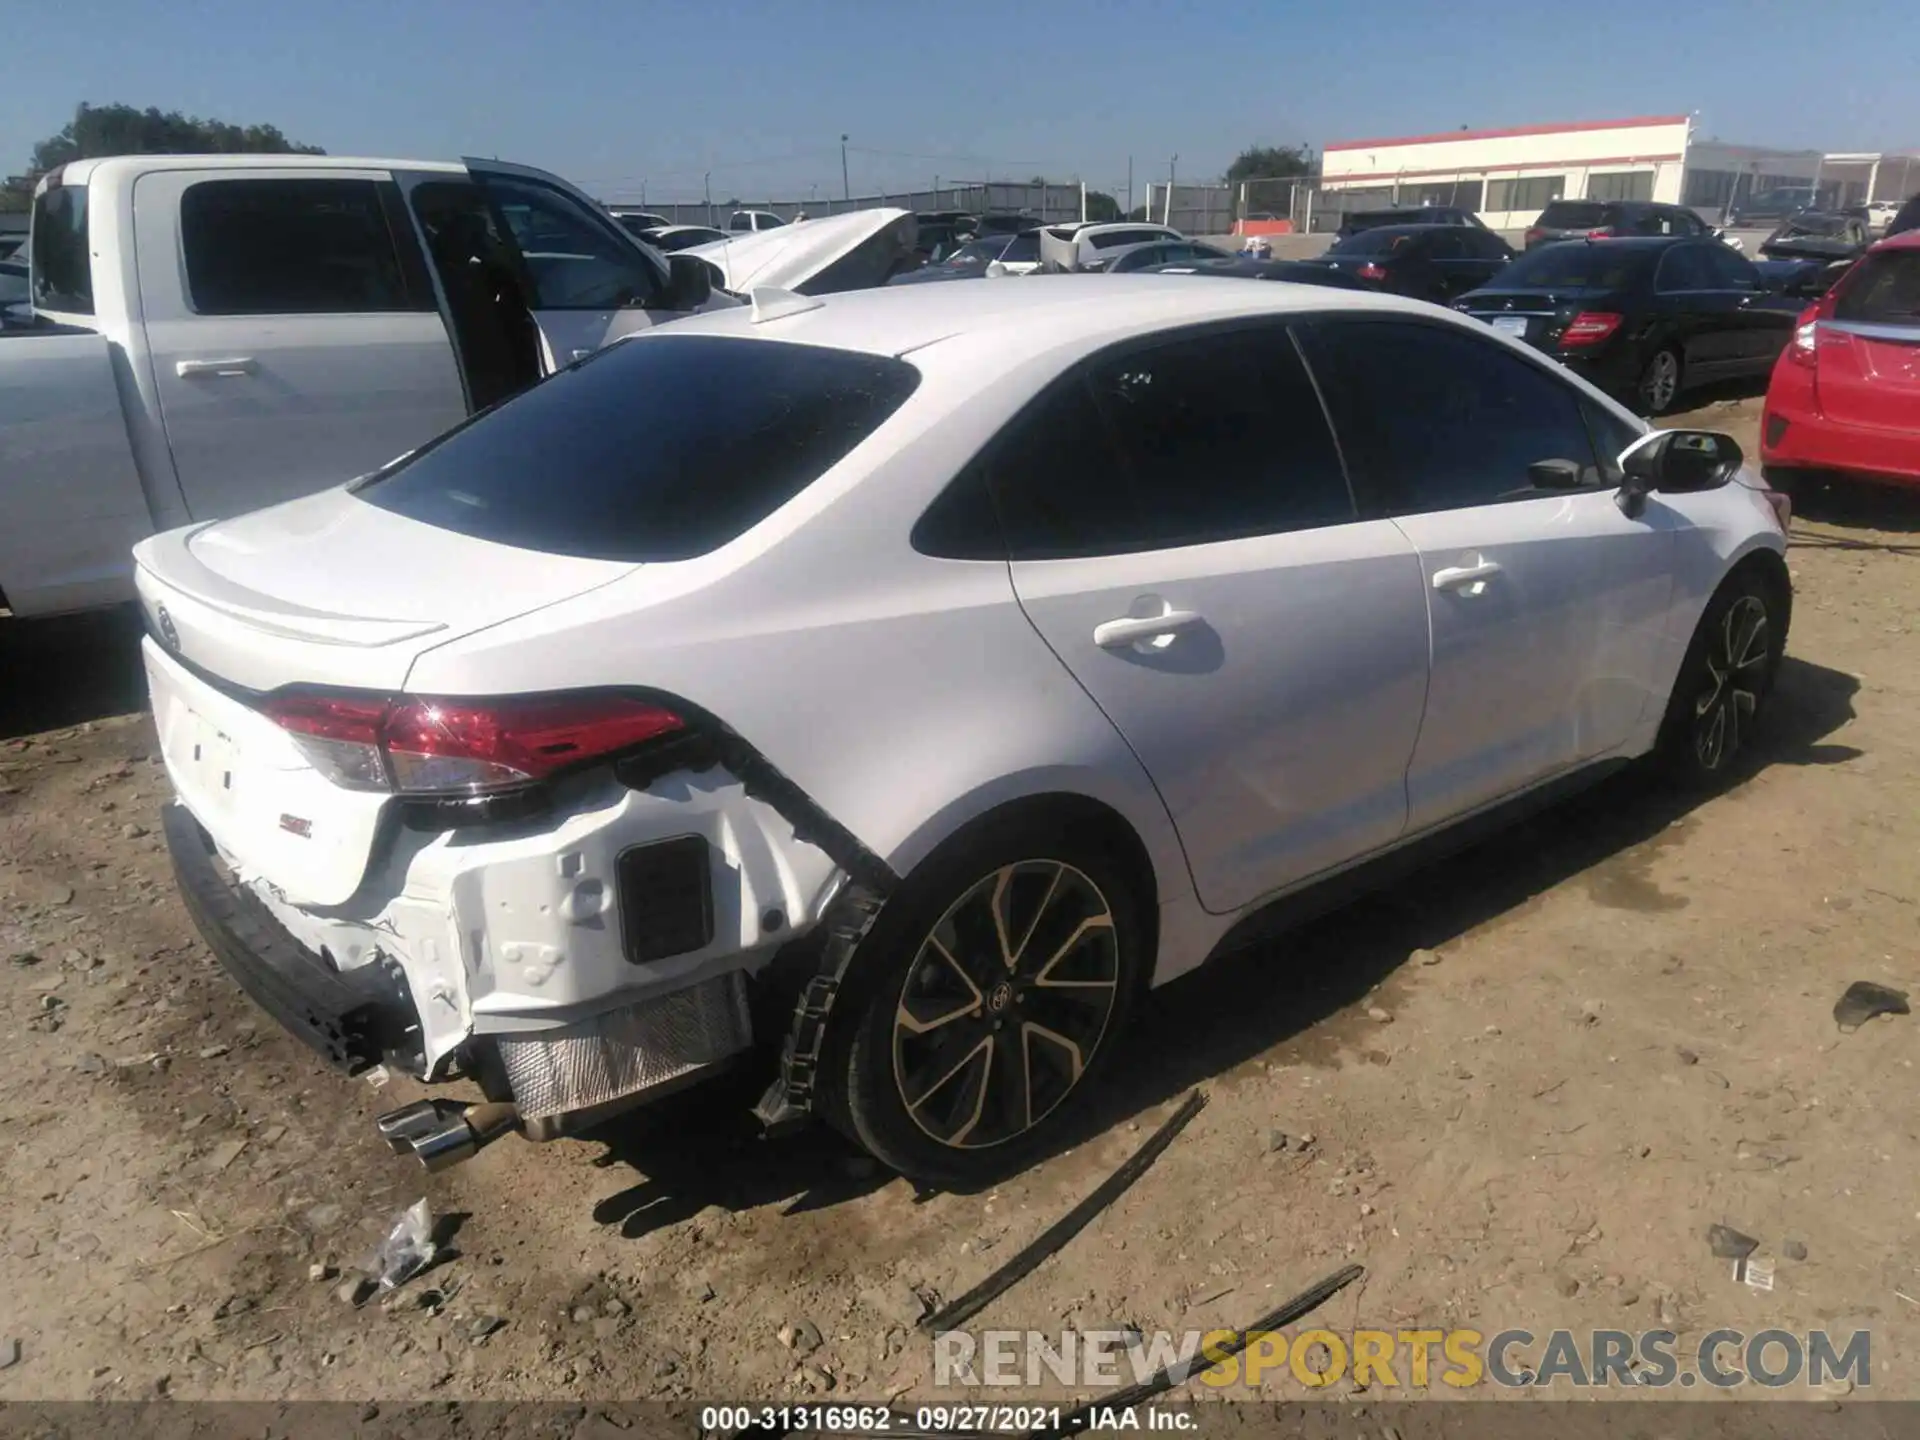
(614, 94)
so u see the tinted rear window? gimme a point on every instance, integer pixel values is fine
(1021, 249)
(1570, 265)
(1572, 215)
(655, 449)
(62, 264)
(1882, 288)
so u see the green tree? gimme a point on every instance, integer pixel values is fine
(1102, 208)
(1268, 162)
(98, 130)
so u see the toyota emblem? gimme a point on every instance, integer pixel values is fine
(169, 636)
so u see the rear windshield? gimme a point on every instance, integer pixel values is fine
(1571, 265)
(1022, 248)
(62, 269)
(653, 449)
(1382, 241)
(1572, 215)
(1883, 287)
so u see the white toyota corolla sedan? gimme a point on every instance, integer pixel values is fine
(894, 686)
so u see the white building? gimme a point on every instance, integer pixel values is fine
(1509, 176)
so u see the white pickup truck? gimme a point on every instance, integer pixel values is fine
(218, 333)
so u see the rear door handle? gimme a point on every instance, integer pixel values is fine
(239, 365)
(1471, 578)
(1132, 629)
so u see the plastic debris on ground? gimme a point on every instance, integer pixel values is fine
(1863, 1000)
(407, 1250)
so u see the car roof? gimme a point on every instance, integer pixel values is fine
(77, 172)
(1027, 317)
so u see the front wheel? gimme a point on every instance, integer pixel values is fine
(993, 1004)
(1724, 681)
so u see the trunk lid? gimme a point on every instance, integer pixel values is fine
(331, 590)
(249, 605)
(1538, 317)
(816, 257)
(1869, 351)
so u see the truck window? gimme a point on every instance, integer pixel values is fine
(289, 247)
(62, 268)
(575, 259)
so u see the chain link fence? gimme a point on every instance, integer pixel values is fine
(1048, 202)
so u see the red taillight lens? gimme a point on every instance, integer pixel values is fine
(1589, 327)
(1371, 271)
(1534, 234)
(420, 745)
(1805, 346)
(1603, 233)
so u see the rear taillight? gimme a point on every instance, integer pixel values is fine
(1371, 271)
(1805, 346)
(1535, 234)
(1605, 232)
(421, 745)
(1589, 327)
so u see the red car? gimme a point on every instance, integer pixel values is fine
(1845, 393)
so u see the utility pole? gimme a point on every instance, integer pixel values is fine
(846, 187)
(1166, 215)
(1129, 187)
(706, 186)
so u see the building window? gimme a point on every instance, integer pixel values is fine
(1535, 192)
(1707, 188)
(1621, 185)
(1460, 194)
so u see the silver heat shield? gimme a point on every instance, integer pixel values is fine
(621, 1052)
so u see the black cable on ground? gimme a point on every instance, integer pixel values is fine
(1165, 1379)
(1056, 1235)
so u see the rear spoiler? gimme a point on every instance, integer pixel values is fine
(1812, 247)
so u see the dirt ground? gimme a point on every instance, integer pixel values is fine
(1614, 1029)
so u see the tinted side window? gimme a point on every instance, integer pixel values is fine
(1448, 244)
(1211, 438)
(1434, 419)
(1729, 271)
(574, 259)
(1611, 435)
(289, 247)
(62, 255)
(1685, 267)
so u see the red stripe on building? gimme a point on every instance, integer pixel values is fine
(1638, 122)
(1494, 172)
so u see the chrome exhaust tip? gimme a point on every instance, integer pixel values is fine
(442, 1133)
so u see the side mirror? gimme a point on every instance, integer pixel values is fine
(1676, 462)
(689, 282)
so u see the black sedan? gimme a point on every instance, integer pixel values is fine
(1298, 272)
(1423, 262)
(1644, 319)
(1359, 220)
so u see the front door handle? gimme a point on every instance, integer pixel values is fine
(1132, 629)
(239, 365)
(1470, 578)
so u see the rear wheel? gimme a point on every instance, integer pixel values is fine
(1659, 383)
(1000, 975)
(1724, 680)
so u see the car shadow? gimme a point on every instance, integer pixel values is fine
(69, 669)
(702, 1147)
(1856, 505)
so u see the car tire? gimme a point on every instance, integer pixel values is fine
(1724, 681)
(1660, 380)
(960, 1065)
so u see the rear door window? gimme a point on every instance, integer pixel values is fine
(62, 255)
(1439, 419)
(1572, 215)
(290, 247)
(1729, 271)
(656, 449)
(1209, 438)
(1884, 289)
(1685, 268)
